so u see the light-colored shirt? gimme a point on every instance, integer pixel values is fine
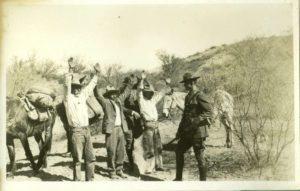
(76, 107)
(118, 115)
(148, 108)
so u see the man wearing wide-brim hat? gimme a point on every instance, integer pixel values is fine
(114, 127)
(192, 130)
(78, 122)
(147, 99)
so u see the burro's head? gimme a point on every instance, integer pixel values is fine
(169, 103)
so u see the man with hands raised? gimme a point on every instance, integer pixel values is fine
(78, 121)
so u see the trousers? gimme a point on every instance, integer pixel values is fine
(152, 143)
(115, 146)
(82, 146)
(129, 147)
(198, 145)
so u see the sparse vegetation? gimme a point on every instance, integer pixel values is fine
(258, 72)
(264, 102)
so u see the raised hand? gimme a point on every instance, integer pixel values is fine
(71, 64)
(143, 75)
(97, 68)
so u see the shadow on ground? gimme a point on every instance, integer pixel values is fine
(44, 176)
(101, 158)
(64, 164)
(102, 171)
(64, 155)
(19, 166)
(145, 177)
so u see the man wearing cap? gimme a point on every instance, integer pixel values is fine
(192, 129)
(114, 127)
(151, 138)
(78, 120)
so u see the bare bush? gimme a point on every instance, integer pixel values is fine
(23, 73)
(263, 101)
(171, 66)
(112, 75)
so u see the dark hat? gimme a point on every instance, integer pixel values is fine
(189, 77)
(77, 79)
(110, 90)
(148, 88)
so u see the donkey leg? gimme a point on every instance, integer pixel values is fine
(39, 139)
(228, 130)
(228, 136)
(27, 150)
(11, 152)
(46, 147)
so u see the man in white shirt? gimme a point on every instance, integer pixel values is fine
(147, 100)
(77, 115)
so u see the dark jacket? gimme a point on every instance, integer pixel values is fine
(196, 116)
(110, 113)
(133, 123)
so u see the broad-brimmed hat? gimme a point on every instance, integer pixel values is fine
(110, 90)
(77, 79)
(188, 77)
(148, 88)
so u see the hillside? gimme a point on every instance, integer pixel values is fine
(216, 63)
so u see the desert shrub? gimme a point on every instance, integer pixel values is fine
(262, 84)
(111, 75)
(172, 66)
(23, 73)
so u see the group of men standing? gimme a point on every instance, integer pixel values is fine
(129, 112)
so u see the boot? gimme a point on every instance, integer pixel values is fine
(179, 166)
(130, 160)
(202, 173)
(121, 174)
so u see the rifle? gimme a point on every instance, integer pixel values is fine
(169, 146)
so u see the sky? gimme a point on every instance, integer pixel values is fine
(131, 35)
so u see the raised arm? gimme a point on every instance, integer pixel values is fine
(140, 88)
(88, 90)
(67, 85)
(163, 92)
(99, 96)
(68, 78)
(124, 92)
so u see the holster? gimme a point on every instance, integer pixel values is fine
(200, 121)
(194, 126)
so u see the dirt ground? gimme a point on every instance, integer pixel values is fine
(223, 163)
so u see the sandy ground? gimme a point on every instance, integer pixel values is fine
(223, 163)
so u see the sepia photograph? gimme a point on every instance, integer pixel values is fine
(197, 93)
